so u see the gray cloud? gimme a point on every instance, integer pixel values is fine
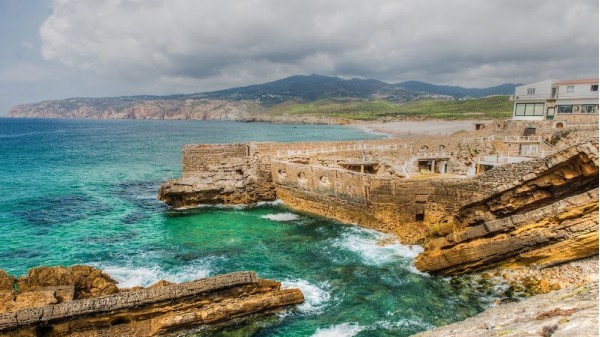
(194, 45)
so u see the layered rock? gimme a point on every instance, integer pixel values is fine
(158, 310)
(540, 213)
(566, 312)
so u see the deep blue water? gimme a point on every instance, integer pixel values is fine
(84, 192)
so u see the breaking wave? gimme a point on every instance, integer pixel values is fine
(145, 276)
(281, 217)
(376, 248)
(316, 298)
(340, 330)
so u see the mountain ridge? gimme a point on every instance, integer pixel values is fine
(243, 103)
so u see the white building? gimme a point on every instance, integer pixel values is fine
(561, 100)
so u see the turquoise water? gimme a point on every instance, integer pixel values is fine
(84, 192)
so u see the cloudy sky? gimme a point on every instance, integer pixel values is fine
(67, 48)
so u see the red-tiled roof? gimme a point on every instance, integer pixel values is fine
(580, 81)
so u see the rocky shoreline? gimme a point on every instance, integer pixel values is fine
(82, 301)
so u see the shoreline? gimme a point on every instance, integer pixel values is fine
(412, 128)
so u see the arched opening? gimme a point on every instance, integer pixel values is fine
(441, 148)
(559, 125)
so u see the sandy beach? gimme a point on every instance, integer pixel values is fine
(405, 129)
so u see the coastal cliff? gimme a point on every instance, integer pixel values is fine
(84, 302)
(140, 107)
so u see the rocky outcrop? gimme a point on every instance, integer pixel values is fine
(219, 174)
(566, 312)
(540, 213)
(158, 310)
(140, 107)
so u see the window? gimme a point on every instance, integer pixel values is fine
(530, 91)
(529, 109)
(570, 88)
(565, 109)
(594, 87)
(588, 108)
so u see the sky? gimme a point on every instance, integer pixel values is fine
(95, 48)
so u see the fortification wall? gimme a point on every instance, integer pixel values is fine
(412, 209)
(198, 158)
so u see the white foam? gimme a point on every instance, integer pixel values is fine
(316, 298)
(402, 324)
(376, 248)
(281, 217)
(340, 330)
(270, 203)
(143, 276)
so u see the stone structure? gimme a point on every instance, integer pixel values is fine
(423, 190)
(60, 305)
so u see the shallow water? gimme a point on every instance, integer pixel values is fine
(84, 192)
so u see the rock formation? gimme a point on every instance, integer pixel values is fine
(566, 312)
(82, 301)
(540, 213)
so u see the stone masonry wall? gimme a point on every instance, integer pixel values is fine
(409, 208)
(197, 158)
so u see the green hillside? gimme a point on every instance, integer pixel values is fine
(482, 108)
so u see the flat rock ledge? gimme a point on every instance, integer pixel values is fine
(567, 312)
(164, 309)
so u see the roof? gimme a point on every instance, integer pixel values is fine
(580, 81)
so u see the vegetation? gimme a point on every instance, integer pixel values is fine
(482, 108)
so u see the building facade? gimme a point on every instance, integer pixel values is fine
(556, 100)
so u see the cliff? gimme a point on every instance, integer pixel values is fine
(140, 107)
(82, 301)
(538, 213)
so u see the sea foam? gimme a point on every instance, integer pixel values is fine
(145, 276)
(316, 298)
(281, 217)
(376, 248)
(340, 330)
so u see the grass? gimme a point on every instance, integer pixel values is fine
(494, 107)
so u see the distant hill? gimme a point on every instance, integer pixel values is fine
(310, 88)
(251, 102)
(456, 91)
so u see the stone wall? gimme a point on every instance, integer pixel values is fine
(199, 158)
(410, 208)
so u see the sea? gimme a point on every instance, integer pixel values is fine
(84, 192)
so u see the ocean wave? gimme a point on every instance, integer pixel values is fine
(340, 330)
(402, 324)
(281, 217)
(376, 248)
(145, 276)
(316, 298)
